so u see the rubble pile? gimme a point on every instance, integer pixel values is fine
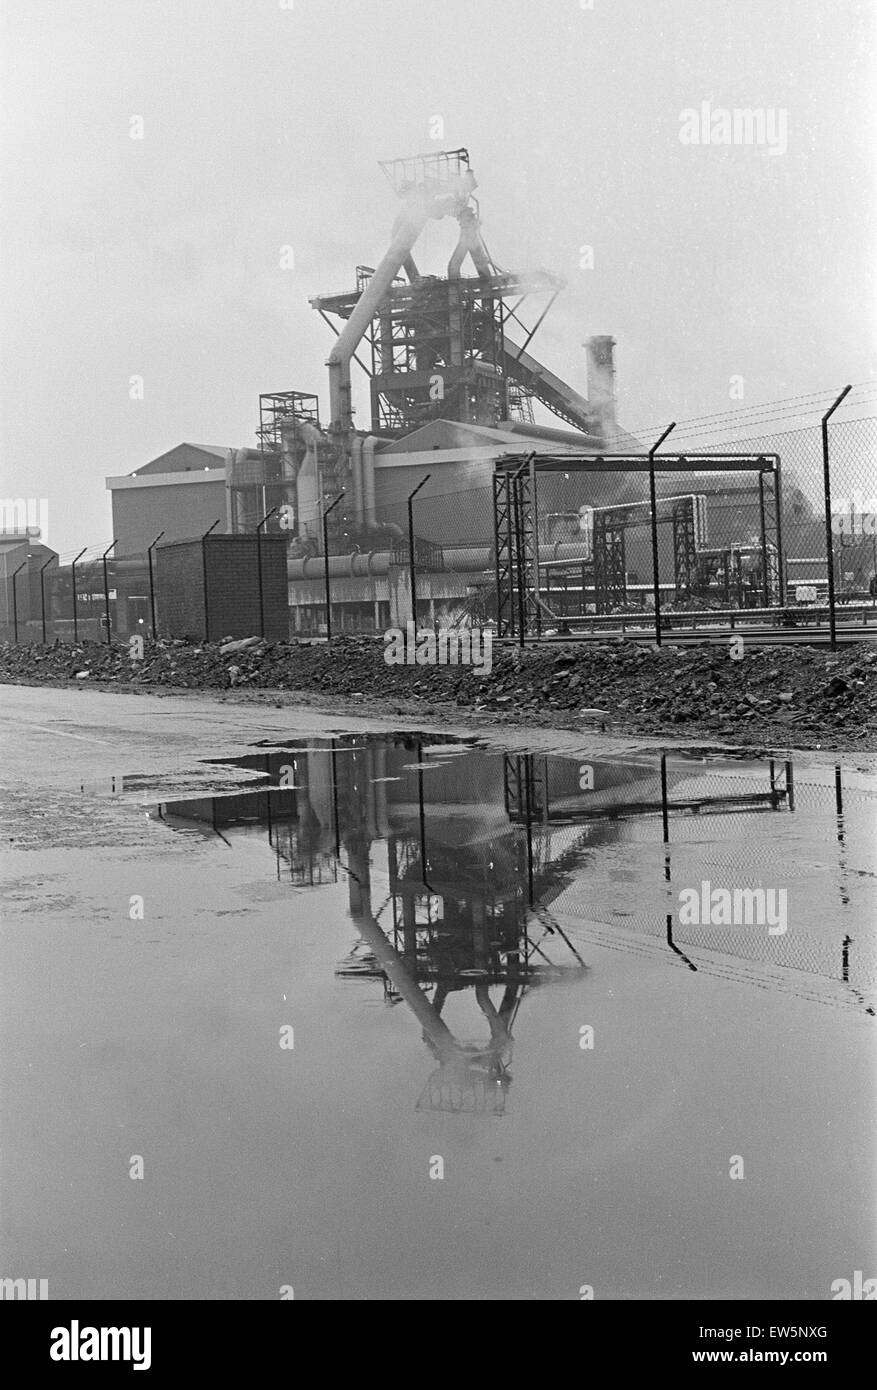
(790, 695)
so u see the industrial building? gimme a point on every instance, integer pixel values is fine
(424, 489)
(181, 493)
(452, 387)
(23, 560)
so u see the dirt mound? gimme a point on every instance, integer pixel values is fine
(790, 696)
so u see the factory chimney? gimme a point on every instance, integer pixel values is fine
(601, 383)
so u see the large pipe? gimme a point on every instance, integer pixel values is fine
(406, 229)
(242, 466)
(129, 565)
(312, 435)
(380, 788)
(313, 438)
(601, 382)
(459, 559)
(356, 477)
(463, 559)
(368, 481)
(237, 458)
(353, 566)
(470, 244)
(445, 1044)
(420, 205)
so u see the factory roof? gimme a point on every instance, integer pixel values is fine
(184, 458)
(35, 547)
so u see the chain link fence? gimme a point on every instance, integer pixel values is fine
(756, 533)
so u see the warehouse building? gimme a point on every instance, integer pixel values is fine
(182, 493)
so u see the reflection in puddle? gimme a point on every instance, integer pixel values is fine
(507, 961)
(489, 877)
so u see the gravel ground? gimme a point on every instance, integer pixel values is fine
(790, 697)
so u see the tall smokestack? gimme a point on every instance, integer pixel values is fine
(601, 382)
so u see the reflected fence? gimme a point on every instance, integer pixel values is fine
(771, 532)
(719, 838)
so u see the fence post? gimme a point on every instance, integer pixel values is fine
(209, 530)
(826, 483)
(519, 549)
(496, 495)
(778, 508)
(43, 594)
(265, 518)
(107, 588)
(519, 560)
(412, 567)
(510, 543)
(534, 503)
(762, 520)
(15, 574)
(152, 583)
(665, 805)
(656, 581)
(73, 564)
(326, 511)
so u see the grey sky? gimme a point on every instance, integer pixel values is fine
(263, 127)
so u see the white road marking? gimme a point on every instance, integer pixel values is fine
(59, 733)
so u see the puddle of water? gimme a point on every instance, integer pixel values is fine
(542, 1007)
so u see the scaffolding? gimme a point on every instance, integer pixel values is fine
(516, 550)
(278, 408)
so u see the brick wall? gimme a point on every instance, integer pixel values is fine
(233, 586)
(232, 571)
(179, 589)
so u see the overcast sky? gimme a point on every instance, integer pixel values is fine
(262, 126)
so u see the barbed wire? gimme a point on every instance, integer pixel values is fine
(765, 412)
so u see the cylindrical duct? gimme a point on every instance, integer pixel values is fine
(601, 382)
(368, 480)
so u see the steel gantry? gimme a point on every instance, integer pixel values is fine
(521, 609)
(610, 570)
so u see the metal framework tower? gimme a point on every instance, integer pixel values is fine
(684, 547)
(437, 346)
(279, 407)
(504, 552)
(438, 349)
(520, 403)
(269, 480)
(516, 541)
(610, 571)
